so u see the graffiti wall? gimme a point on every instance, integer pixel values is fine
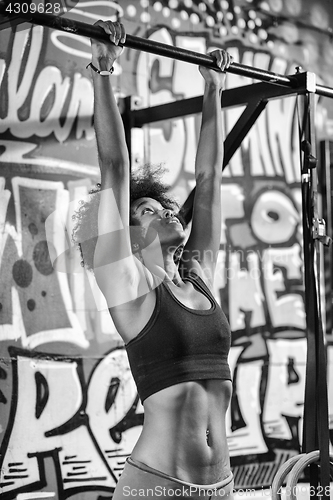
(69, 410)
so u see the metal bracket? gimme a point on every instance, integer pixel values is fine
(306, 81)
(311, 161)
(319, 231)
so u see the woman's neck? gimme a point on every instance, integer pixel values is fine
(172, 272)
(160, 264)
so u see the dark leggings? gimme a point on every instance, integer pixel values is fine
(138, 480)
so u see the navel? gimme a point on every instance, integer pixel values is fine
(208, 437)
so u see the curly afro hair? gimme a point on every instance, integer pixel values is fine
(145, 182)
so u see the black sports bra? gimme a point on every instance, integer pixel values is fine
(180, 344)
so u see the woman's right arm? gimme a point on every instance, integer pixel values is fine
(114, 265)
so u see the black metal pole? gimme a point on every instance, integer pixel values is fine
(324, 91)
(315, 421)
(61, 23)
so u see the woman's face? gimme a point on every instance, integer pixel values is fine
(154, 218)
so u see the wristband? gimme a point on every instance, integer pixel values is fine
(107, 72)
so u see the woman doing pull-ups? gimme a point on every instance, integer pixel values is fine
(158, 283)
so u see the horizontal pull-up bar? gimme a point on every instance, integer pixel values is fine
(61, 23)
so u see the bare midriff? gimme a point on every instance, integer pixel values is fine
(184, 432)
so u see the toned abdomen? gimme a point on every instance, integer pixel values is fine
(184, 431)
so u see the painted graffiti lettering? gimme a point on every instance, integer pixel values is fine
(248, 301)
(244, 432)
(285, 303)
(64, 432)
(284, 356)
(274, 219)
(49, 433)
(272, 150)
(246, 295)
(167, 140)
(44, 103)
(36, 301)
(117, 423)
(263, 245)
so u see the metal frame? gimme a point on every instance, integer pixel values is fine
(255, 97)
(326, 191)
(61, 23)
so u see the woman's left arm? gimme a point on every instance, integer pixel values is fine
(203, 244)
